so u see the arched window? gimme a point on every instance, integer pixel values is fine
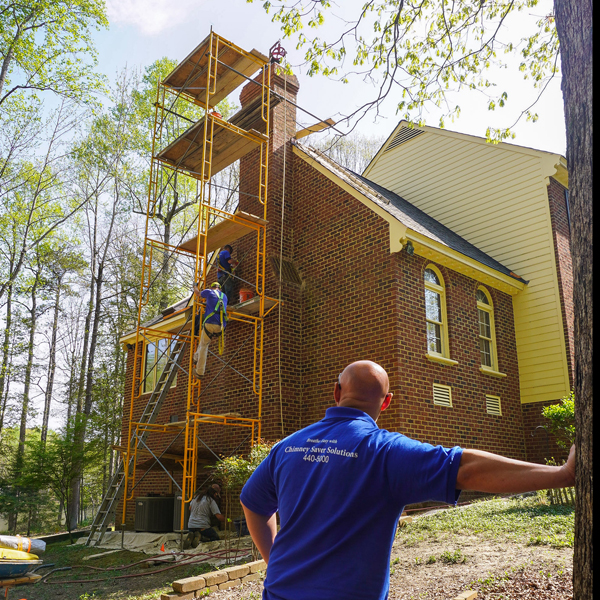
(435, 312)
(487, 334)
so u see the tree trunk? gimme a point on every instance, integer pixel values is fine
(27, 383)
(5, 353)
(51, 364)
(87, 406)
(164, 276)
(79, 434)
(6, 63)
(574, 25)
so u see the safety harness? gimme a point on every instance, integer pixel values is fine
(219, 308)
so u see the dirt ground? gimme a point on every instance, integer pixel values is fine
(436, 567)
(494, 570)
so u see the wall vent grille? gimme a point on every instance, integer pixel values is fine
(289, 273)
(492, 405)
(442, 395)
(403, 136)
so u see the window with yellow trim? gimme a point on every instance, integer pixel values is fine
(487, 334)
(435, 312)
(155, 360)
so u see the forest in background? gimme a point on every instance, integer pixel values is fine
(75, 152)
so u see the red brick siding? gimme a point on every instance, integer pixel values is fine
(361, 302)
(561, 234)
(540, 445)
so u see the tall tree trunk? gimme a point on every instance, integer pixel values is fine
(25, 403)
(80, 431)
(28, 370)
(8, 379)
(164, 276)
(105, 445)
(86, 342)
(51, 364)
(87, 407)
(73, 510)
(5, 353)
(574, 20)
(60, 512)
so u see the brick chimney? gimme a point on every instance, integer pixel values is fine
(282, 130)
(283, 326)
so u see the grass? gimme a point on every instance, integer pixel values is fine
(146, 587)
(530, 520)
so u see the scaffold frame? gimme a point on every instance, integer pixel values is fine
(204, 78)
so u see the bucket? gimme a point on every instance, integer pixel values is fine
(245, 294)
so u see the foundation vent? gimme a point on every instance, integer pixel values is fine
(492, 405)
(442, 395)
(289, 273)
(404, 135)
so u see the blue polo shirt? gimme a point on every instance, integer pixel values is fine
(340, 486)
(224, 265)
(212, 298)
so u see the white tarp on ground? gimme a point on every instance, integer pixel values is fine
(150, 543)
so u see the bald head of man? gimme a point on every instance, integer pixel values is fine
(363, 385)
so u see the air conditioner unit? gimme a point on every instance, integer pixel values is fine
(154, 513)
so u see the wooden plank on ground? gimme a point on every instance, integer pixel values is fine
(466, 595)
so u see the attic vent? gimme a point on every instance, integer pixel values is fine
(289, 273)
(492, 405)
(442, 395)
(402, 136)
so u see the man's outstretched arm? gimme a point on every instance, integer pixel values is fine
(263, 530)
(486, 472)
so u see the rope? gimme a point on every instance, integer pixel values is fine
(281, 252)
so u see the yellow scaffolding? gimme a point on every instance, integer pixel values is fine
(204, 78)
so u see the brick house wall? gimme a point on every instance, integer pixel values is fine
(356, 301)
(561, 235)
(361, 302)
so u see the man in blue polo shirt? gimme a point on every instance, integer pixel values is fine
(340, 486)
(224, 270)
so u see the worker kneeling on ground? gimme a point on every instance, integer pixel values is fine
(202, 507)
(213, 324)
(340, 486)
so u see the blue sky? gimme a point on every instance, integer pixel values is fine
(143, 30)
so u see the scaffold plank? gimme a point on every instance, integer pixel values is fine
(189, 76)
(232, 140)
(226, 231)
(252, 306)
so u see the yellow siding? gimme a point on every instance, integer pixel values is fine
(495, 197)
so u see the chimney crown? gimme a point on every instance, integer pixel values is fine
(278, 83)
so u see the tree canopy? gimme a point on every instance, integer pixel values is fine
(420, 50)
(46, 45)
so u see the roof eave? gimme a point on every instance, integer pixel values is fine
(432, 250)
(400, 233)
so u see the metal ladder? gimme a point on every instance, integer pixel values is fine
(115, 489)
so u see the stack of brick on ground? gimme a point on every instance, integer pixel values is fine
(196, 587)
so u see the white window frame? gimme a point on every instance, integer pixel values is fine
(444, 355)
(489, 309)
(149, 384)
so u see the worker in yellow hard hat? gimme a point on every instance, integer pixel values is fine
(213, 323)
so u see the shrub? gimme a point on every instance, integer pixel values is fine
(562, 420)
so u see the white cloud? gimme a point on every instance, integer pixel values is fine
(152, 17)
